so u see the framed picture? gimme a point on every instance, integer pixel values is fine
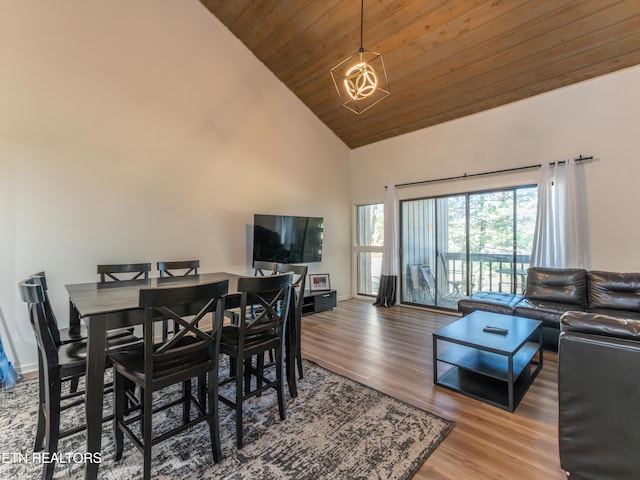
(319, 282)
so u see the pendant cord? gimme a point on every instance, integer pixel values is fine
(361, 25)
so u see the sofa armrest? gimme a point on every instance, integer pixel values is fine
(601, 324)
(599, 396)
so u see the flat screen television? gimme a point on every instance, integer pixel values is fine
(287, 239)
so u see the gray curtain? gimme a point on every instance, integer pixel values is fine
(389, 274)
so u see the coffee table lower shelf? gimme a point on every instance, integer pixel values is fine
(486, 389)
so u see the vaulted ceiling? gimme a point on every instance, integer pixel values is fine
(444, 59)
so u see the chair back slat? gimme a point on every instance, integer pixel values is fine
(48, 309)
(188, 267)
(112, 272)
(33, 294)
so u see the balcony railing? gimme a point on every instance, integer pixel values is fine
(489, 272)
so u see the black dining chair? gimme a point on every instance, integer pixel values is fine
(184, 267)
(132, 271)
(75, 333)
(293, 335)
(188, 353)
(297, 292)
(252, 335)
(262, 268)
(58, 364)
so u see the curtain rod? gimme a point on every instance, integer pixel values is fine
(494, 172)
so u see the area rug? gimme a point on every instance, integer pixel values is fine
(335, 429)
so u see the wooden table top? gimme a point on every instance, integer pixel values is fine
(97, 298)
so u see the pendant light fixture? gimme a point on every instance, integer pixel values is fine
(361, 80)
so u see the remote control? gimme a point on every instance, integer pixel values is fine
(498, 330)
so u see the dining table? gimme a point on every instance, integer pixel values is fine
(104, 306)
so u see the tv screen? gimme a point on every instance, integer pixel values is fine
(287, 239)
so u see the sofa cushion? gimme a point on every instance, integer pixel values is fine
(548, 313)
(557, 285)
(614, 291)
(494, 302)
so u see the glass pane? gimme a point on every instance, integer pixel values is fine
(452, 250)
(418, 251)
(369, 269)
(370, 225)
(526, 208)
(491, 240)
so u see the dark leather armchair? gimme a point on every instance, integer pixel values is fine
(599, 396)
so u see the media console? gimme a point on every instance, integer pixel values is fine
(314, 302)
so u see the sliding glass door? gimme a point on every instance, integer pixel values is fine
(455, 245)
(434, 244)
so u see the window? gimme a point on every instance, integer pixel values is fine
(456, 245)
(368, 247)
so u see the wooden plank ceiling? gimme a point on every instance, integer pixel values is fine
(444, 59)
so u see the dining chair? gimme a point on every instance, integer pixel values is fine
(186, 267)
(168, 269)
(253, 335)
(133, 271)
(297, 292)
(262, 269)
(188, 353)
(73, 333)
(58, 364)
(76, 333)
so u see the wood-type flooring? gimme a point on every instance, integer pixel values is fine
(390, 349)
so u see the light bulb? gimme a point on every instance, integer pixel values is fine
(360, 81)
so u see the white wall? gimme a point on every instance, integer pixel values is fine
(141, 131)
(599, 117)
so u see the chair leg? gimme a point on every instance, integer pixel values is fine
(299, 345)
(186, 403)
(214, 420)
(299, 362)
(202, 390)
(239, 397)
(42, 421)
(280, 383)
(142, 409)
(119, 385)
(52, 407)
(260, 371)
(40, 430)
(247, 375)
(147, 428)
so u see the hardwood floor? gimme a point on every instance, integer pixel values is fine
(390, 349)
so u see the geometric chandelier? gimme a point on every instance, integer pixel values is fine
(361, 80)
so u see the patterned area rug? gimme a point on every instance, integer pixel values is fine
(335, 429)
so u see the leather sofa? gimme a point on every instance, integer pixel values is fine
(550, 292)
(599, 395)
